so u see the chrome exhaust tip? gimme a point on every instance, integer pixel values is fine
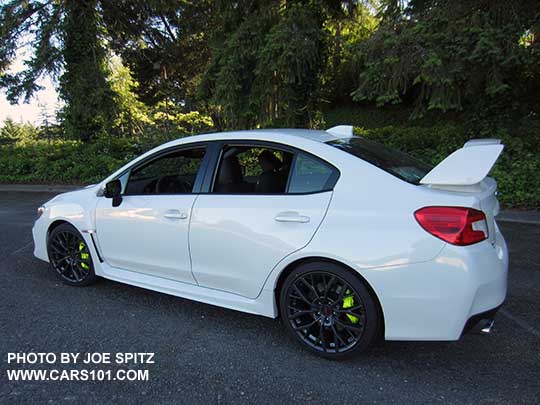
(487, 326)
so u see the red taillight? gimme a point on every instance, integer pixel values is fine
(456, 225)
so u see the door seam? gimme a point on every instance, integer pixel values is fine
(297, 250)
(189, 238)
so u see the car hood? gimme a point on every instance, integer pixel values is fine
(74, 196)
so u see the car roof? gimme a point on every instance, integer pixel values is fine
(314, 135)
(276, 135)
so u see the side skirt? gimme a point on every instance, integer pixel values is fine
(263, 305)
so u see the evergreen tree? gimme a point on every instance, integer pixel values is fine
(451, 55)
(67, 43)
(90, 107)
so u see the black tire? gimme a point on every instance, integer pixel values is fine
(329, 310)
(70, 257)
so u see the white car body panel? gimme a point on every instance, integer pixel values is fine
(427, 288)
(246, 240)
(147, 234)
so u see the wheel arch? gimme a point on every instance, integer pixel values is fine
(55, 224)
(310, 259)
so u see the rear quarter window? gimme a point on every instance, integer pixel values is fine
(311, 175)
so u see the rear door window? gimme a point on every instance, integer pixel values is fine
(260, 169)
(252, 170)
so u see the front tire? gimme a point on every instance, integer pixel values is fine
(70, 257)
(329, 310)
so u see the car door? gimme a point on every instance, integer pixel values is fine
(265, 201)
(148, 232)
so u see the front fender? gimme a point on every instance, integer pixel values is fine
(76, 208)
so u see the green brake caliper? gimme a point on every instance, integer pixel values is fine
(348, 302)
(84, 256)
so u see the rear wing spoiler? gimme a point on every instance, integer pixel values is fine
(466, 166)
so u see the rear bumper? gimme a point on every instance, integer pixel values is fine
(435, 300)
(479, 319)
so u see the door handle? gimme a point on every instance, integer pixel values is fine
(291, 216)
(175, 214)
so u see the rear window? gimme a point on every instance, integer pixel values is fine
(397, 163)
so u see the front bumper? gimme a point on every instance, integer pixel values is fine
(39, 234)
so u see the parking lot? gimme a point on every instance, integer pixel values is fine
(208, 354)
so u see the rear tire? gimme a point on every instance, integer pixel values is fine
(70, 257)
(329, 310)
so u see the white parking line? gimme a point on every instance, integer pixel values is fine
(531, 329)
(21, 248)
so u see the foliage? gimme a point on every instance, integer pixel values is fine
(167, 117)
(448, 55)
(165, 44)
(133, 114)
(59, 161)
(90, 108)
(289, 68)
(66, 41)
(20, 19)
(14, 131)
(269, 60)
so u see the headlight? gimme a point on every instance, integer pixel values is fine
(40, 211)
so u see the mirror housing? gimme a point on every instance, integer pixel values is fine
(113, 189)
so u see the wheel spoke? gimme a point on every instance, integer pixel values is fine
(321, 337)
(310, 286)
(300, 313)
(75, 272)
(314, 287)
(65, 240)
(351, 309)
(328, 285)
(58, 261)
(62, 244)
(300, 327)
(74, 241)
(55, 245)
(337, 338)
(349, 327)
(341, 293)
(302, 296)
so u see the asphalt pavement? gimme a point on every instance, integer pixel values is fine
(206, 354)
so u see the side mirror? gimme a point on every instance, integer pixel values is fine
(113, 189)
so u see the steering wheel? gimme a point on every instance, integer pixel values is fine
(171, 184)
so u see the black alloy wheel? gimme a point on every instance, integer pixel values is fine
(70, 257)
(329, 310)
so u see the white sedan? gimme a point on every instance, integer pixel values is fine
(342, 238)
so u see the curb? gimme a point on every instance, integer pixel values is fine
(39, 188)
(522, 217)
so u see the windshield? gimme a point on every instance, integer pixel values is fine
(392, 161)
